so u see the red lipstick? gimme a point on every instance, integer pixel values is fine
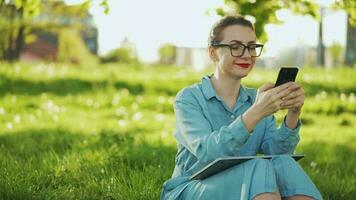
(243, 65)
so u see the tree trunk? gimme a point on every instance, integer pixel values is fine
(350, 55)
(20, 36)
(321, 47)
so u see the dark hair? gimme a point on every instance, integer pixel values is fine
(219, 26)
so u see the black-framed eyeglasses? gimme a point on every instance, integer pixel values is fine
(238, 50)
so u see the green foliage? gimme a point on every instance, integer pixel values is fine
(107, 132)
(350, 7)
(16, 22)
(336, 52)
(264, 12)
(72, 48)
(167, 54)
(122, 54)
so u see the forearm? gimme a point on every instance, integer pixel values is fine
(250, 118)
(292, 119)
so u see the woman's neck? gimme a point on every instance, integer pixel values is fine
(226, 87)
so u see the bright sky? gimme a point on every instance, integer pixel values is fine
(149, 24)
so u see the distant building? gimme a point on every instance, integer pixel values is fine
(197, 58)
(53, 16)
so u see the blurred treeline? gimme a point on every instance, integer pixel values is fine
(50, 30)
(33, 30)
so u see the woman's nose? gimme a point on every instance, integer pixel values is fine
(246, 54)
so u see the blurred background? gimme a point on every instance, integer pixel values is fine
(302, 33)
(87, 89)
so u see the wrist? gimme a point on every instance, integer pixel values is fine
(295, 112)
(254, 114)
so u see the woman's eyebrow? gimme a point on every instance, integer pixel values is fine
(240, 42)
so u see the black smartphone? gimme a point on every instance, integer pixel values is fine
(286, 74)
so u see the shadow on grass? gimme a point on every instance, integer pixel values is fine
(35, 143)
(69, 86)
(312, 89)
(61, 87)
(41, 153)
(331, 166)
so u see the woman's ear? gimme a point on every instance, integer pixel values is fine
(212, 54)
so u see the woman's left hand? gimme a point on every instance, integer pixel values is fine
(295, 99)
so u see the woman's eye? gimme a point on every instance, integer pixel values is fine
(236, 47)
(252, 46)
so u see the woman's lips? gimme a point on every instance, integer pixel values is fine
(243, 65)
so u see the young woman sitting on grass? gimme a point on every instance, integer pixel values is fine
(219, 117)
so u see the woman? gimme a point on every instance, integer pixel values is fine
(219, 117)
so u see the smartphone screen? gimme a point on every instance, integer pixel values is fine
(286, 74)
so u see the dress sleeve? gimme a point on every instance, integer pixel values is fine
(195, 133)
(281, 140)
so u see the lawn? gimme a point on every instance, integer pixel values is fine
(69, 132)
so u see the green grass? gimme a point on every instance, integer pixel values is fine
(70, 132)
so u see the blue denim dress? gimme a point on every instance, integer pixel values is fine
(206, 129)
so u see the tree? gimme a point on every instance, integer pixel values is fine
(72, 48)
(264, 12)
(336, 50)
(14, 18)
(16, 24)
(167, 54)
(350, 7)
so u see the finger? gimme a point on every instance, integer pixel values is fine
(294, 101)
(280, 95)
(266, 87)
(276, 105)
(299, 106)
(281, 87)
(294, 86)
(291, 106)
(293, 95)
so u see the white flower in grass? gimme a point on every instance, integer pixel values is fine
(134, 106)
(139, 98)
(50, 106)
(17, 119)
(352, 98)
(137, 116)
(313, 164)
(159, 117)
(32, 118)
(116, 100)
(125, 92)
(171, 100)
(89, 102)
(342, 97)
(17, 69)
(2, 111)
(164, 134)
(120, 111)
(122, 123)
(161, 99)
(323, 94)
(9, 125)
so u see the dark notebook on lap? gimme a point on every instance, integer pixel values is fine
(221, 164)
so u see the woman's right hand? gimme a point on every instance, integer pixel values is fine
(269, 99)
